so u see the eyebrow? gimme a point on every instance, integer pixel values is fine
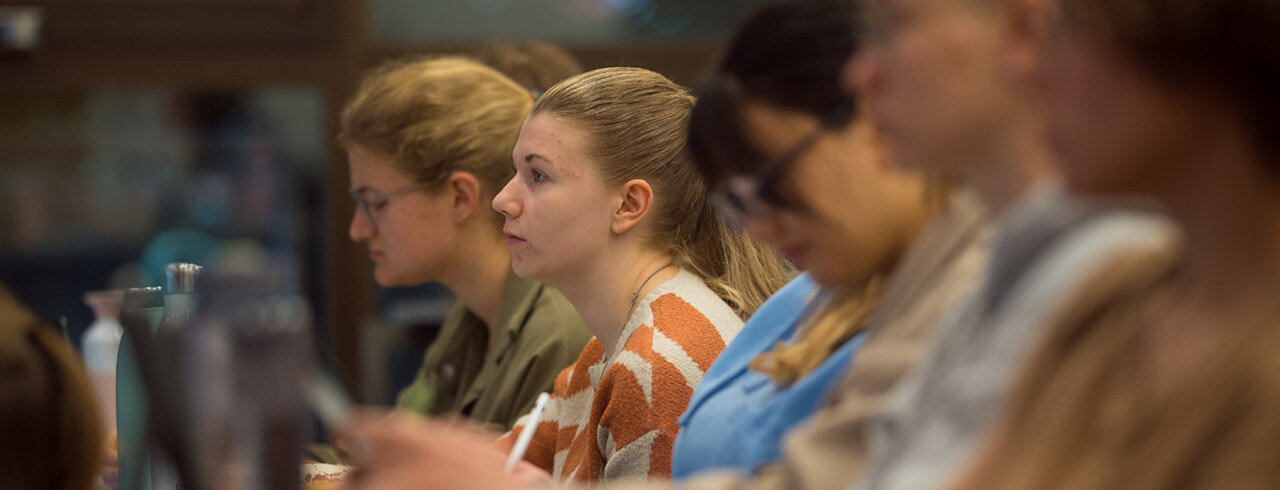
(529, 158)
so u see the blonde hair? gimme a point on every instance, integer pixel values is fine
(842, 314)
(53, 438)
(435, 116)
(637, 121)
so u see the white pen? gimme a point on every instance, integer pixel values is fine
(526, 435)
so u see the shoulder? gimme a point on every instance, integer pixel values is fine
(685, 304)
(787, 303)
(552, 317)
(1107, 249)
(776, 320)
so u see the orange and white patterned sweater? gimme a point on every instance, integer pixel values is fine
(615, 415)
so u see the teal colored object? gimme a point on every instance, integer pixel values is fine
(131, 409)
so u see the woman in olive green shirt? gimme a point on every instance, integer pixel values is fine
(429, 144)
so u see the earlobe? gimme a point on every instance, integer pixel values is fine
(466, 194)
(636, 199)
(1027, 21)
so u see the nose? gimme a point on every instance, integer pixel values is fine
(507, 201)
(361, 229)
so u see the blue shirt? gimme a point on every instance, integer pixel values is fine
(737, 417)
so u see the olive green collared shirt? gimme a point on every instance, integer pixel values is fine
(538, 335)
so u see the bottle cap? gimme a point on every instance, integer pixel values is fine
(180, 277)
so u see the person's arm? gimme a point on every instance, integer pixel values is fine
(410, 452)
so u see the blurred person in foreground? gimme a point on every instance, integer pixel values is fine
(428, 145)
(797, 163)
(1166, 374)
(53, 436)
(950, 83)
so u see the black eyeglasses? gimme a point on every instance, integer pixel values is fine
(757, 193)
(371, 206)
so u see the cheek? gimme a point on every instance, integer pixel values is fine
(831, 257)
(561, 229)
(415, 246)
(1103, 125)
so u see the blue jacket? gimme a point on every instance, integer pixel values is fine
(737, 417)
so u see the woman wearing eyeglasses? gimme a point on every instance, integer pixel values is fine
(429, 145)
(798, 165)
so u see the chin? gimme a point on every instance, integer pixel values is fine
(1096, 179)
(390, 280)
(521, 268)
(385, 282)
(824, 277)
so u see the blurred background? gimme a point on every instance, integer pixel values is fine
(134, 133)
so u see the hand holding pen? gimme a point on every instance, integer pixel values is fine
(401, 451)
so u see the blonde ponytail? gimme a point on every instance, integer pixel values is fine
(637, 124)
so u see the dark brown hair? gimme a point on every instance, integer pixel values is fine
(1230, 47)
(787, 53)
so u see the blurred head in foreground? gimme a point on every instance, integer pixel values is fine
(52, 435)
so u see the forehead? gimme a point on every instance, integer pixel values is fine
(559, 143)
(369, 167)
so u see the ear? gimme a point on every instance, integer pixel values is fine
(860, 75)
(1027, 23)
(637, 198)
(465, 189)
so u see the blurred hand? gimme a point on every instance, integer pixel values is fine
(531, 475)
(110, 469)
(394, 452)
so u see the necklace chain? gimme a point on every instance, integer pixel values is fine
(635, 295)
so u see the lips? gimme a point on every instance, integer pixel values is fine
(513, 240)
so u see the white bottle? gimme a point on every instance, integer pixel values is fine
(100, 344)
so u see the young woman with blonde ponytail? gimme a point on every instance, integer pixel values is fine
(607, 207)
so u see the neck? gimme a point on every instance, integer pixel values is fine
(1014, 164)
(1229, 207)
(479, 274)
(602, 292)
